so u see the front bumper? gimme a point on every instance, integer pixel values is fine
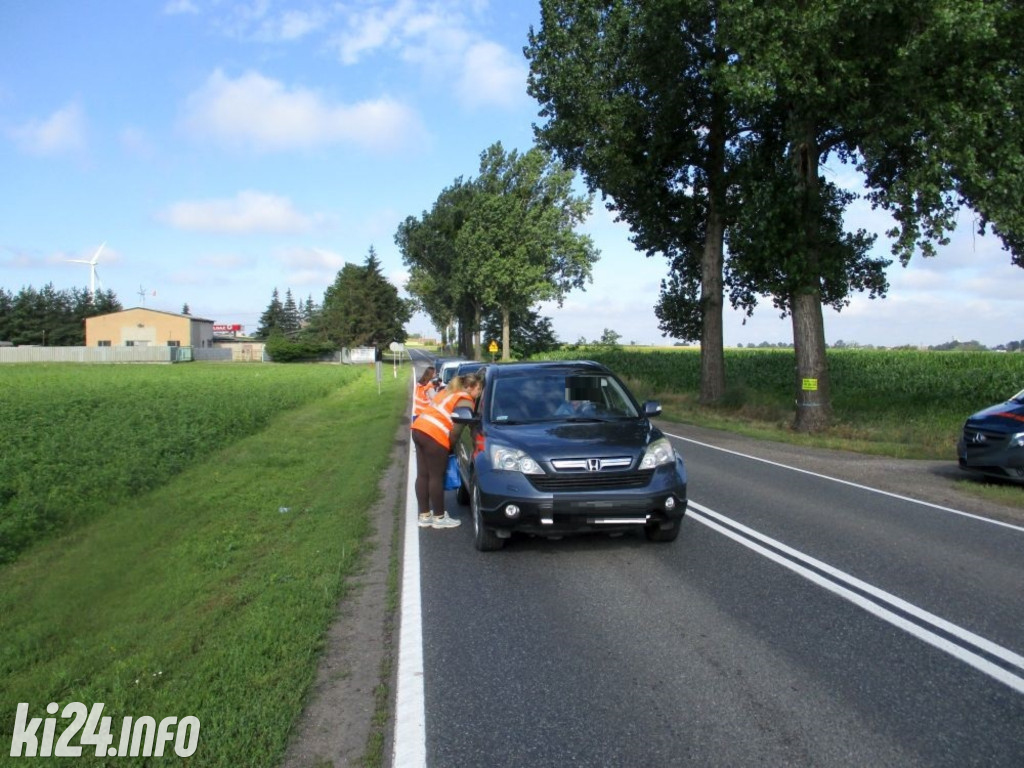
(995, 457)
(661, 501)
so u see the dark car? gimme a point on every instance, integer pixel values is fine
(993, 440)
(563, 447)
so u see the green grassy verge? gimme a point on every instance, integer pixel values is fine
(210, 595)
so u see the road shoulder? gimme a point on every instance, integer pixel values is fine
(336, 724)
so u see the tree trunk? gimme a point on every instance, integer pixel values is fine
(465, 337)
(712, 354)
(506, 334)
(477, 351)
(712, 343)
(813, 401)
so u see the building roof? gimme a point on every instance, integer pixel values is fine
(155, 311)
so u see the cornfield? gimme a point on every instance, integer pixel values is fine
(863, 382)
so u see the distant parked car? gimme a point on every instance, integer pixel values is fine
(446, 369)
(993, 440)
(563, 447)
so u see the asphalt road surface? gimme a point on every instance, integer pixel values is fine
(799, 620)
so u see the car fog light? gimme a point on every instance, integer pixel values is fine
(670, 503)
(512, 511)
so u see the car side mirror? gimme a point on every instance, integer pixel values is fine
(463, 414)
(652, 408)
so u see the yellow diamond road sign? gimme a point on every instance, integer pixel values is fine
(493, 347)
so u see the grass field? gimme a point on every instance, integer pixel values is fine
(205, 587)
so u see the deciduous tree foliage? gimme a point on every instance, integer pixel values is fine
(437, 269)
(520, 238)
(923, 96)
(634, 97)
(501, 242)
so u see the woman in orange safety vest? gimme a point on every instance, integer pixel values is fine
(431, 434)
(424, 392)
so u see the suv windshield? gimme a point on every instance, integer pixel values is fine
(557, 396)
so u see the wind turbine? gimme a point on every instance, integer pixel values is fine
(92, 269)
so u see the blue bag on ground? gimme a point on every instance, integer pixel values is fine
(451, 475)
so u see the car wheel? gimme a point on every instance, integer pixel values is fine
(660, 531)
(484, 538)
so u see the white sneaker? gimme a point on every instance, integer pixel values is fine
(426, 519)
(444, 521)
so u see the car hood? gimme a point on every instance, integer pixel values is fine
(563, 440)
(1005, 417)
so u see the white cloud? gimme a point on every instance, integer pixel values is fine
(62, 132)
(267, 115)
(246, 213)
(492, 76)
(440, 41)
(315, 259)
(375, 28)
(294, 25)
(177, 7)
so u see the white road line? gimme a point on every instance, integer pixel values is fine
(747, 536)
(410, 745)
(847, 482)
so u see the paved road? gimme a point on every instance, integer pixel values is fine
(797, 621)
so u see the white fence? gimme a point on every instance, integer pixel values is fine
(109, 354)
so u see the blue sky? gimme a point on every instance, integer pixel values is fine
(224, 148)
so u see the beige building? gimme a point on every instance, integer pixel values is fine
(148, 328)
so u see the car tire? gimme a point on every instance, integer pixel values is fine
(661, 533)
(484, 539)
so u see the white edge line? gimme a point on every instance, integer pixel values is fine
(983, 665)
(410, 745)
(851, 484)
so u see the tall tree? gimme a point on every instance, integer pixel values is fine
(272, 319)
(291, 320)
(923, 95)
(634, 96)
(437, 269)
(520, 235)
(362, 308)
(892, 88)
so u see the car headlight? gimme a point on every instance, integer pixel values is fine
(659, 452)
(514, 460)
(1017, 441)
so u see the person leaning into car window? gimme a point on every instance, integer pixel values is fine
(426, 389)
(431, 434)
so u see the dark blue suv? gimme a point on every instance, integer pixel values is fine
(562, 447)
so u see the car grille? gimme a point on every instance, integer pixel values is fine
(591, 481)
(976, 439)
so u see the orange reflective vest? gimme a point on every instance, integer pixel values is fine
(436, 419)
(422, 398)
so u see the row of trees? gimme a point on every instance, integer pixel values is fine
(706, 125)
(360, 308)
(492, 247)
(51, 317)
